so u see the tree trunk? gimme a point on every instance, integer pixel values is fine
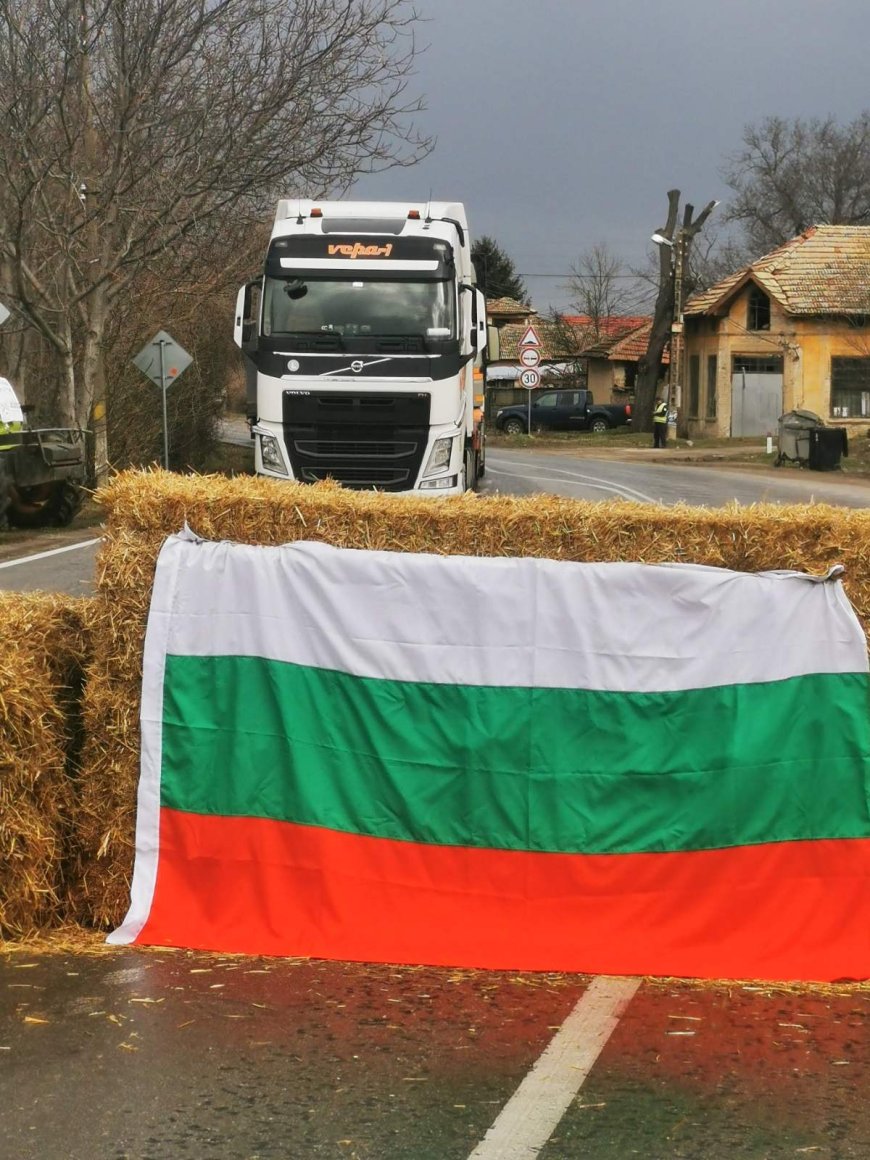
(91, 396)
(672, 248)
(64, 412)
(649, 366)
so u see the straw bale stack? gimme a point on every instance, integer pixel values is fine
(44, 649)
(145, 507)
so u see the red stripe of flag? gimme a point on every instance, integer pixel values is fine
(793, 910)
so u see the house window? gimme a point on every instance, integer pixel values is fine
(758, 364)
(711, 386)
(759, 310)
(694, 385)
(850, 388)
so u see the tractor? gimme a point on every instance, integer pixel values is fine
(42, 471)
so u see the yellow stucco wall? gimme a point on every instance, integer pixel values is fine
(599, 379)
(806, 346)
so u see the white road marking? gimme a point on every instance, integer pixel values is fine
(528, 1119)
(52, 552)
(574, 477)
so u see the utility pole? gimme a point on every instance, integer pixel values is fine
(675, 366)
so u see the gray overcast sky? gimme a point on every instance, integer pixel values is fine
(562, 124)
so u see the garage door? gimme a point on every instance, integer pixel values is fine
(756, 396)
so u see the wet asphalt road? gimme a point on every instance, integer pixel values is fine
(152, 1054)
(636, 474)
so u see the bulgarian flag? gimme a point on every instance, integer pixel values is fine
(507, 763)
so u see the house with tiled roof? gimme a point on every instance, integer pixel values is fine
(601, 354)
(612, 357)
(501, 311)
(789, 331)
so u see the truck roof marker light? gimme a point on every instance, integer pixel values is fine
(316, 212)
(413, 215)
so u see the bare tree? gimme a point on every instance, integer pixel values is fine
(790, 175)
(602, 286)
(674, 260)
(133, 128)
(714, 255)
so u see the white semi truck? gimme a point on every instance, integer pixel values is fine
(364, 341)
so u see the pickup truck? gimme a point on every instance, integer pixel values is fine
(573, 410)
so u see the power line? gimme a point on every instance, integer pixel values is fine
(591, 277)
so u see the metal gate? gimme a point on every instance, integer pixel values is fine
(756, 403)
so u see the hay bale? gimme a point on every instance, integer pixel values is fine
(145, 507)
(44, 648)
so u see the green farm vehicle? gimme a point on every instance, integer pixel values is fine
(42, 471)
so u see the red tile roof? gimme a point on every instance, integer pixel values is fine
(628, 346)
(826, 270)
(611, 325)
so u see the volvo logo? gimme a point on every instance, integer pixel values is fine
(357, 365)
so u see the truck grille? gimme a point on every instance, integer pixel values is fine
(359, 440)
(339, 449)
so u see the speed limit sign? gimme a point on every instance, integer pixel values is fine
(530, 379)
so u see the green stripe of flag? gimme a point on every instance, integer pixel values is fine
(516, 768)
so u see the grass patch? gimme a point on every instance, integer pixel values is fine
(618, 438)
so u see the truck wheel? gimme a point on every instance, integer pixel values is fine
(45, 505)
(514, 426)
(599, 424)
(471, 472)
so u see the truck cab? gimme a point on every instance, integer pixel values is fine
(365, 339)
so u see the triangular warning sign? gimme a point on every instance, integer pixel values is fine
(530, 338)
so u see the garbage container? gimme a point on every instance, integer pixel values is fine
(794, 436)
(827, 444)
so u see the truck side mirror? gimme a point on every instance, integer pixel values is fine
(245, 326)
(479, 320)
(466, 288)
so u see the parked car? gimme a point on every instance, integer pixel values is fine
(573, 410)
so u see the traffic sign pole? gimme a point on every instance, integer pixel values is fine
(162, 343)
(530, 356)
(172, 360)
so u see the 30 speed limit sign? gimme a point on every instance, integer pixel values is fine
(530, 379)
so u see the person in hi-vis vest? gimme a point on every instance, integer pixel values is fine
(660, 424)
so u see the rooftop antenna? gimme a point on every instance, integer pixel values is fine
(428, 219)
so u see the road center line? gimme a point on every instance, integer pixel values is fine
(51, 552)
(528, 1119)
(619, 489)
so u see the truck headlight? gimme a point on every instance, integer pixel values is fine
(439, 456)
(441, 484)
(270, 454)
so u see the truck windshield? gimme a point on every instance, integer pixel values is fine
(350, 308)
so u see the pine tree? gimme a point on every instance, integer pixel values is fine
(496, 274)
